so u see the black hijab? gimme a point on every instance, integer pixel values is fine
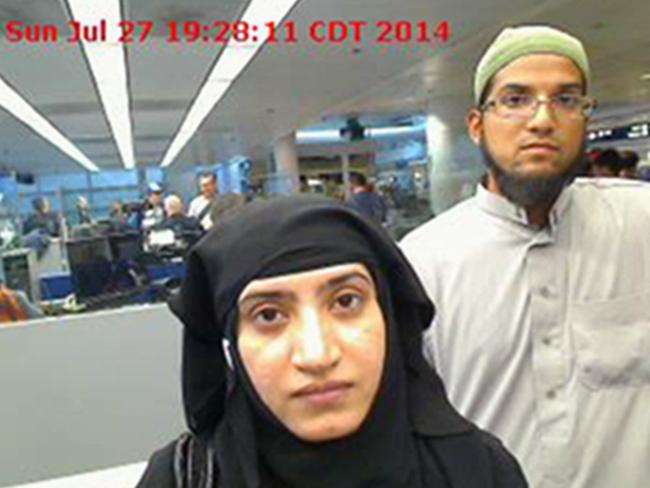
(393, 447)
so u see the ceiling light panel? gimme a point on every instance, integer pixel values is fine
(233, 60)
(15, 104)
(107, 61)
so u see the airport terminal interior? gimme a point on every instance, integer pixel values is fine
(129, 128)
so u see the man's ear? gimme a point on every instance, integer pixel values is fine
(474, 121)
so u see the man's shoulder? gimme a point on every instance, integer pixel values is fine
(618, 187)
(615, 193)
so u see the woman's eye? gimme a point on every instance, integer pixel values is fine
(268, 316)
(348, 302)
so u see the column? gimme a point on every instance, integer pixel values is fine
(452, 160)
(286, 164)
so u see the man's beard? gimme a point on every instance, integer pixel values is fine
(530, 191)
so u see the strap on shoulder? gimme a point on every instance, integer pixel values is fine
(193, 463)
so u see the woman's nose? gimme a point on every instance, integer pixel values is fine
(315, 348)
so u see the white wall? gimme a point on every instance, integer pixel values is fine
(87, 392)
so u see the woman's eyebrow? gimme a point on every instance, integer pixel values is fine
(341, 280)
(271, 296)
(286, 295)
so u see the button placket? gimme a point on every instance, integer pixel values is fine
(547, 349)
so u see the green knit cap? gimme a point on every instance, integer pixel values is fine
(515, 42)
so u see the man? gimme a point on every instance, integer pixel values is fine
(364, 200)
(42, 220)
(154, 212)
(176, 219)
(200, 205)
(542, 285)
(606, 164)
(118, 218)
(84, 215)
(629, 162)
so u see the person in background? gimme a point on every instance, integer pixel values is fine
(303, 184)
(225, 206)
(42, 220)
(606, 164)
(302, 363)
(154, 213)
(629, 162)
(176, 220)
(118, 218)
(365, 200)
(200, 205)
(15, 305)
(83, 211)
(542, 281)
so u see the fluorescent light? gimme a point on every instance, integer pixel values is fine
(318, 136)
(203, 104)
(234, 58)
(108, 67)
(15, 104)
(334, 135)
(379, 132)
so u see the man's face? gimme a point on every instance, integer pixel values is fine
(155, 199)
(545, 146)
(208, 187)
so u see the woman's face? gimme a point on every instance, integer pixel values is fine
(313, 344)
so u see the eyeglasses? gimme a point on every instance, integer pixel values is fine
(521, 106)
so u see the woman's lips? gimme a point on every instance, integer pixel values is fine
(323, 395)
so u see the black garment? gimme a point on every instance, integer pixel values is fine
(84, 216)
(412, 437)
(46, 223)
(181, 224)
(369, 204)
(119, 224)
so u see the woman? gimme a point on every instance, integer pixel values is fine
(302, 363)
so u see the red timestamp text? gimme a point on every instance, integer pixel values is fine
(319, 32)
(192, 31)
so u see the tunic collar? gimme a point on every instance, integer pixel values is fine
(502, 208)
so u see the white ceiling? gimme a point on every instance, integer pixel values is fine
(290, 86)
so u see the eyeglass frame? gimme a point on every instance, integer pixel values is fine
(538, 101)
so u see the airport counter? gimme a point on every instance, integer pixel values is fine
(88, 392)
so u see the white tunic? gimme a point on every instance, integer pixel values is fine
(542, 336)
(197, 206)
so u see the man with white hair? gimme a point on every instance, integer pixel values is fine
(176, 219)
(542, 283)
